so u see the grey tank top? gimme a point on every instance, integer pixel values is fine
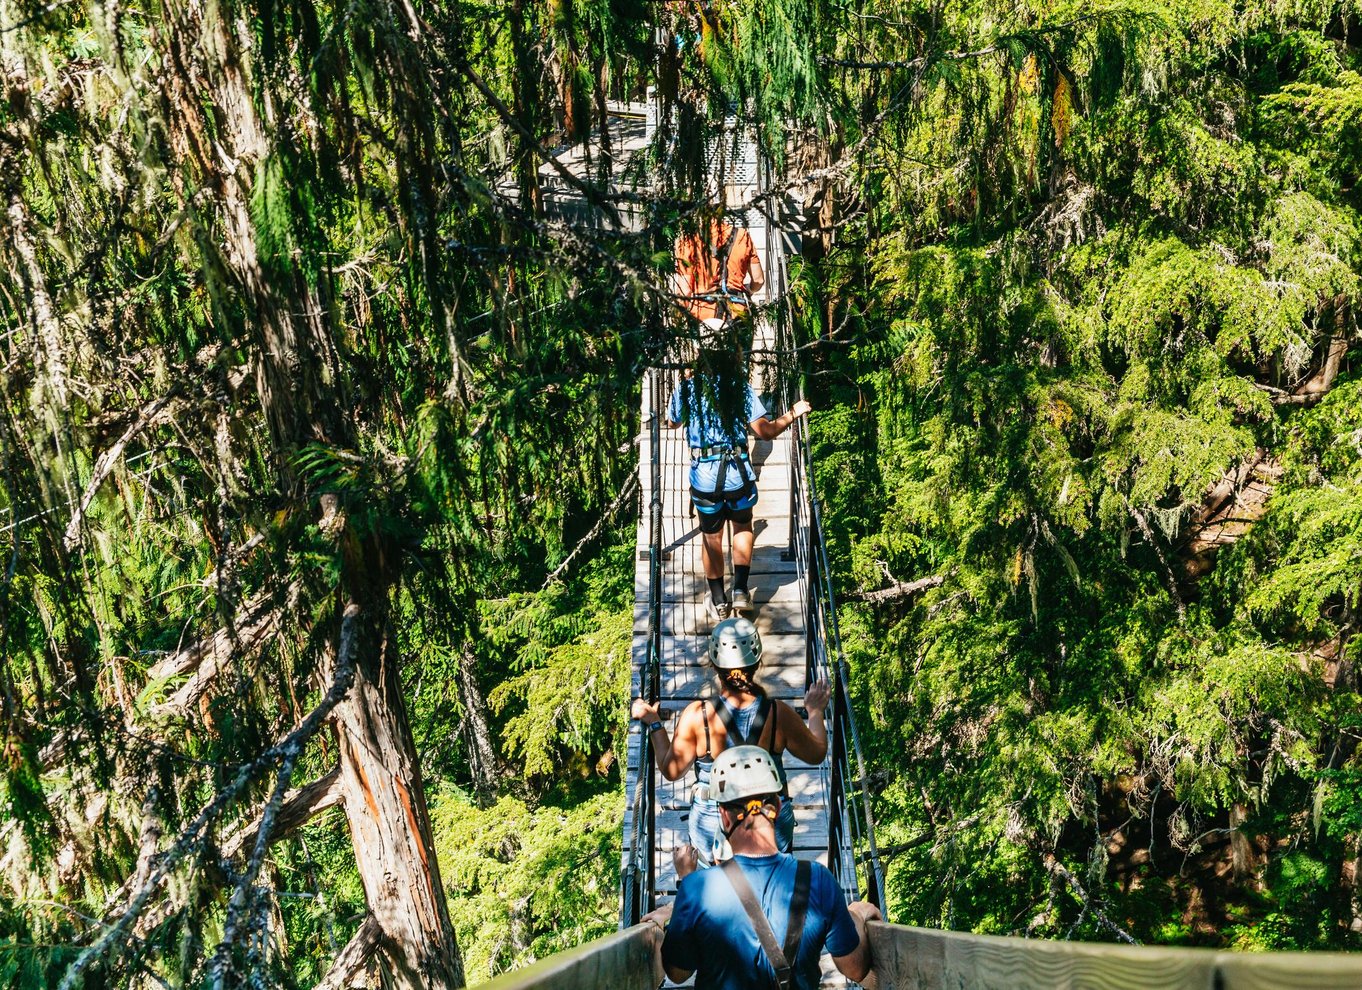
(741, 720)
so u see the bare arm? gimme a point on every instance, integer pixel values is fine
(755, 275)
(659, 919)
(672, 757)
(855, 965)
(769, 429)
(808, 743)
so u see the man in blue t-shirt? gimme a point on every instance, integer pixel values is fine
(723, 485)
(712, 928)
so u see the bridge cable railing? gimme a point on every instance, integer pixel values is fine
(853, 855)
(638, 881)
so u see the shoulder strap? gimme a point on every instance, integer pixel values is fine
(799, 906)
(775, 723)
(721, 253)
(767, 938)
(726, 717)
(704, 717)
(764, 704)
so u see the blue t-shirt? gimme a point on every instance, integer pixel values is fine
(704, 429)
(711, 933)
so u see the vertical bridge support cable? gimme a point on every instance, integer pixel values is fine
(851, 831)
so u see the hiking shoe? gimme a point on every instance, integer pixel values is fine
(742, 601)
(718, 611)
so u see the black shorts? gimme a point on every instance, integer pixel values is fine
(713, 512)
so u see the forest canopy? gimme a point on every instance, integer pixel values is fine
(317, 425)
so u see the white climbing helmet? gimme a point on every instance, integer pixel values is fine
(734, 644)
(743, 772)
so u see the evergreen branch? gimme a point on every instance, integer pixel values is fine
(930, 835)
(592, 193)
(1001, 44)
(288, 750)
(37, 15)
(914, 63)
(1170, 578)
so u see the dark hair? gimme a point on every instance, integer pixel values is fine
(719, 387)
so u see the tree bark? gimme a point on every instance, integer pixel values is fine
(1228, 511)
(1244, 859)
(389, 825)
(482, 755)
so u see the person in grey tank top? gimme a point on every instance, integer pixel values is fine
(742, 714)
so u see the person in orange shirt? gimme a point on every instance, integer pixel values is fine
(698, 266)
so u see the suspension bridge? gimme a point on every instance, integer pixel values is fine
(796, 613)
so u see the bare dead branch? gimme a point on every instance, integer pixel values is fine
(300, 806)
(149, 415)
(192, 838)
(901, 589)
(249, 632)
(350, 962)
(1056, 868)
(626, 493)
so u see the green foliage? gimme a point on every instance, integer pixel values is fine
(570, 696)
(1085, 265)
(1067, 343)
(528, 882)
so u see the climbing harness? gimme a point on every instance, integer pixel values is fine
(721, 291)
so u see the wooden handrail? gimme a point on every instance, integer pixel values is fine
(926, 959)
(623, 960)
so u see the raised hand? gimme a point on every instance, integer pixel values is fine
(686, 860)
(816, 697)
(645, 712)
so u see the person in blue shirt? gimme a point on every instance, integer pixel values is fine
(714, 927)
(717, 406)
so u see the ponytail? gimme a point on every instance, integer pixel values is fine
(742, 679)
